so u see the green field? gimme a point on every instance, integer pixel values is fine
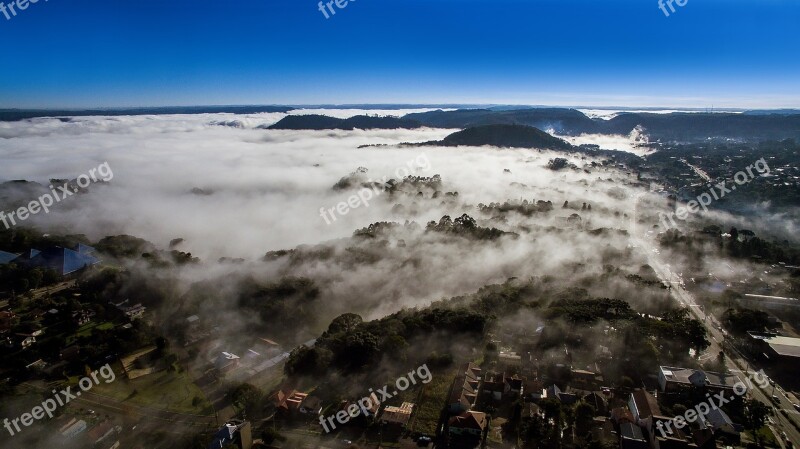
(165, 390)
(429, 409)
(86, 330)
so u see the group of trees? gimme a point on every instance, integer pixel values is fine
(740, 321)
(352, 346)
(465, 226)
(589, 311)
(524, 207)
(546, 430)
(287, 300)
(18, 279)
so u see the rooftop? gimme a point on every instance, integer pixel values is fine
(690, 376)
(399, 415)
(785, 346)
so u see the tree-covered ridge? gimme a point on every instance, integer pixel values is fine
(321, 122)
(504, 136)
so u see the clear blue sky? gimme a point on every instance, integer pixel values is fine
(82, 53)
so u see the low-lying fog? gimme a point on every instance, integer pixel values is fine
(262, 190)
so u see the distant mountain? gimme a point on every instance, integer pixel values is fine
(517, 136)
(320, 122)
(683, 126)
(562, 121)
(773, 111)
(10, 115)
(678, 126)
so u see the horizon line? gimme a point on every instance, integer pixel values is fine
(392, 106)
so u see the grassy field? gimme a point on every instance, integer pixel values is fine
(86, 330)
(165, 390)
(429, 408)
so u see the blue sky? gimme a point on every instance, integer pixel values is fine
(82, 53)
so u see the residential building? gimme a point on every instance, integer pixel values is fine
(631, 437)
(566, 398)
(721, 423)
(468, 423)
(674, 379)
(464, 391)
(397, 416)
(289, 402)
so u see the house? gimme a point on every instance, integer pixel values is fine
(501, 385)
(289, 402)
(566, 398)
(584, 378)
(721, 422)
(643, 407)
(372, 410)
(494, 385)
(674, 379)
(133, 312)
(226, 362)
(397, 416)
(667, 435)
(621, 415)
(142, 362)
(512, 385)
(509, 358)
(464, 391)
(534, 389)
(266, 348)
(468, 423)
(81, 317)
(28, 341)
(37, 365)
(647, 414)
(598, 401)
(631, 437)
(235, 432)
(603, 430)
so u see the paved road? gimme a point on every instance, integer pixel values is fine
(735, 361)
